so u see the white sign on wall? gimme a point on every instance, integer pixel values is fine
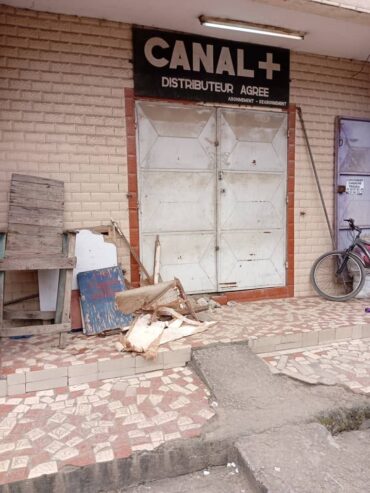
(355, 186)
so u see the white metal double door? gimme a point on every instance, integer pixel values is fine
(212, 185)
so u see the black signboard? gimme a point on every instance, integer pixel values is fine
(173, 65)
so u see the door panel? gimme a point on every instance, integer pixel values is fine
(252, 199)
(177, 191)
(219, 209)
(353, 166)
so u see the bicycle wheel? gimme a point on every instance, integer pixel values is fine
(338, 276)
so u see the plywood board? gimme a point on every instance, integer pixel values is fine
(98, 289)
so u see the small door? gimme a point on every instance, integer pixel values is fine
(353, 177)
(177, 191)
(252, 199)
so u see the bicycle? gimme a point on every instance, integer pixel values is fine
(340, 275)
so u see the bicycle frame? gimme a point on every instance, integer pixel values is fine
(361, 244)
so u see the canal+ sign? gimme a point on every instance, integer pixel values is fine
(173, 65)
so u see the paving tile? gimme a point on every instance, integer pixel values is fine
(49, 428)
(345, 361)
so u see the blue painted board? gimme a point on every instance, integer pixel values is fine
(97, 290)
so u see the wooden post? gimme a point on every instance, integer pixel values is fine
(63, 309)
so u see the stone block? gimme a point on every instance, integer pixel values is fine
(143, 365)
(291, 338)
(48, 374)
(326, 336)
(16, 378)
(80, 370)
(116, 364)
(17, 389)
(343, 332)
(3, 387)
(310, 338)
(52, 383)
(120, 372)
(176, 357)
(79, 379)
(357, 331)
(365, 332)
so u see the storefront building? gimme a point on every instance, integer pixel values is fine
(195, 139)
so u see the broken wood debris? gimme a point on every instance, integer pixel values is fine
(160, 317)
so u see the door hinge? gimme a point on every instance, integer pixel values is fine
(287, 199)
(217, 248)
(286, 264)
(217, 143)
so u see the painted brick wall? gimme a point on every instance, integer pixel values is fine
(324, 87)
(62, 81)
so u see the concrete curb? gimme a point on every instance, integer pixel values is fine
(169, 460)
(270, 344)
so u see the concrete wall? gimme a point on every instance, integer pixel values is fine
(62, 81)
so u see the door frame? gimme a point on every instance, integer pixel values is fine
(133, 204)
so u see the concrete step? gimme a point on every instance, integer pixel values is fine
(306, 458)
(220, 479)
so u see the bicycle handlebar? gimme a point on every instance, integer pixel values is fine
(353, 227)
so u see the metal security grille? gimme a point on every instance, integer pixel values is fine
(212, 185)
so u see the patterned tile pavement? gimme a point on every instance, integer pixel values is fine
(43, 431)
(345, 363)
(239, 321)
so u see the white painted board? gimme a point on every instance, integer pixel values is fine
(92, 253)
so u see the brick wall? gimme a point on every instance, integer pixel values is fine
(62, 82)
(324, 87)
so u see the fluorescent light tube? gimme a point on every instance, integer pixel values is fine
(250, 27)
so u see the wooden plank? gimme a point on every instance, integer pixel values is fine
(28, 315)
(32, 230)
(65, 314)
(49, 194)
(34, 263)
(26, 243)
(37, 179)
(27, 188)
(2, 276)
(24, 201)
(22, 298)
(61, 285)
(35, 330)
(37, 217)
(132, 251)
(157, 258)
(71, 243)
